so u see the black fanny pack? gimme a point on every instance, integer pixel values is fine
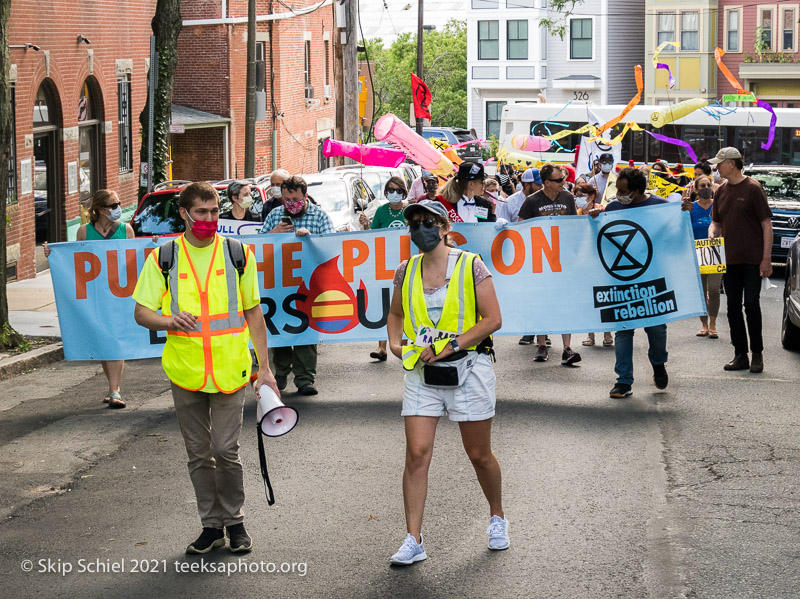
(449, 372)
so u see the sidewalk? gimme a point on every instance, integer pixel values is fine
(32, 312)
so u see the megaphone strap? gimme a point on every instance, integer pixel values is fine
(264, 473)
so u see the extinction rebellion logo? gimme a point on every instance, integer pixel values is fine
(626, 252)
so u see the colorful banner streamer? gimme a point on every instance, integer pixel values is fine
(634, 101)
(675, 142)
(772, 122)
(660, 65)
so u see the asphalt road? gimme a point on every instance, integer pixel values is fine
(691, 492)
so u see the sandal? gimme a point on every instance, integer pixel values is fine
(107, 398)
(712, 334)
(378, 355)
(702, 333)
(588, 342)
(608, 342)
(115, 400)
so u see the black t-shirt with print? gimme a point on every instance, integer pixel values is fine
(538, 204)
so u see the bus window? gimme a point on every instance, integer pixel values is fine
(569, 142)
(704, 141)
(637, 145)
(790, 150)
(748, 142)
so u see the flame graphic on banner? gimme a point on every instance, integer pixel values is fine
(330, 303)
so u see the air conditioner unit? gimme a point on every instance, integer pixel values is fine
(326, 91)
(309, 92)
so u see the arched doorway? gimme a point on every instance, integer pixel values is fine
(90, 117)
(48, 201)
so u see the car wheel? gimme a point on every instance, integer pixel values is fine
(790, 333)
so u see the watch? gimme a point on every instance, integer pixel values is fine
(454, 344)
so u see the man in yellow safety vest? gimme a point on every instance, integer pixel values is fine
(206, 289)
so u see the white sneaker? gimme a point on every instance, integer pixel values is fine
(498, 533)
(410, 551)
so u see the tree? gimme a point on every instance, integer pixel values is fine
(564, 8)
(445, 74)
(8, 336)
(166, 26)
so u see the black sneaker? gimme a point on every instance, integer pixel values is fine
(282, 381)
(308, 390)
(621, 390)
(208, 540)
(541, 354)
(569, 357)
(660, 376)
(739, 362)
(547, 341)
(526, 340)
(240, 541)
(757, 363)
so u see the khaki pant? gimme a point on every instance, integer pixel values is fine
(210, 424)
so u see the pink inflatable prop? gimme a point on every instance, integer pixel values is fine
(391, 129)
(530, 143)
(367, 155)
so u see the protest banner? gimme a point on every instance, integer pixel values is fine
(567, 274)
(711, 255)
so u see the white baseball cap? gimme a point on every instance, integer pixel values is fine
(725, 154)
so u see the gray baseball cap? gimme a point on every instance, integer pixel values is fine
(431, 206)
(725, 154)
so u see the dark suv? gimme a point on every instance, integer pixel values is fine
(782, 184)
(453, 136)
(790, 323)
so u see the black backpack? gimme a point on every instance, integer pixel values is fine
(166, 256)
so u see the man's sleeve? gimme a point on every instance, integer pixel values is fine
(269, 222)
(248, 284)
(572, 208)
(763, 211)
(327, 223)
(527, 209)
(150, 287)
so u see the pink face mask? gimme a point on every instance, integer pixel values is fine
(294, 207)
(203, 229)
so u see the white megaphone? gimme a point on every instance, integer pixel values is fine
(274, 419)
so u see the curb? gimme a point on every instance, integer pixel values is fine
(39, 357)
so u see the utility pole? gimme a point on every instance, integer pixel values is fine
(420, 74)
(250, 101)
(345, 70)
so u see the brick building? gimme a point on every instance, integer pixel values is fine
(78, 85)
(760, 39)
(294, 50)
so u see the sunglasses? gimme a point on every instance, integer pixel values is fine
(113, 206)
(428, 222)
(393, 190)
(561, 180)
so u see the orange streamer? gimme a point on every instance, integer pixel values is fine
(636, 99)
(718, 53)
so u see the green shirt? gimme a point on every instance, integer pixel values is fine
(386, 218)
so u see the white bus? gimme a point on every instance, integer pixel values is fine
(742, 128)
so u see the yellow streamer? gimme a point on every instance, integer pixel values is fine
(613, 142)
(661, 47)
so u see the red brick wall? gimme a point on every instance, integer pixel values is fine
(194, 155)
(117, 30)
(213, 77)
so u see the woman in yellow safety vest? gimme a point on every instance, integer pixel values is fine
(445, 303)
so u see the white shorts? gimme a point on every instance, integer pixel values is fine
(474, 400)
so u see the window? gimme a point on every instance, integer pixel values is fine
(517, 43)
(307, 69)
(765, 19)
(494, 111)
(261, 66)
(520, 4)
(580, 39)
(788, 21)
(485, 3)
(11, 197)
(125, 124)
(666, 27)
(326, 48)
(732, 20)
(488, 40)
(690, 37)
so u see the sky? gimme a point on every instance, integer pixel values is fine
(387, 19)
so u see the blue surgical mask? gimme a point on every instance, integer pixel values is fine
(115, 213)
(394, 197)
(606, 167)
(581, 201)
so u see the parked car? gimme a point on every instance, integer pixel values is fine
(782, 184)
(790, 323)
(343, 195)
(452, 136)
(377, 176)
